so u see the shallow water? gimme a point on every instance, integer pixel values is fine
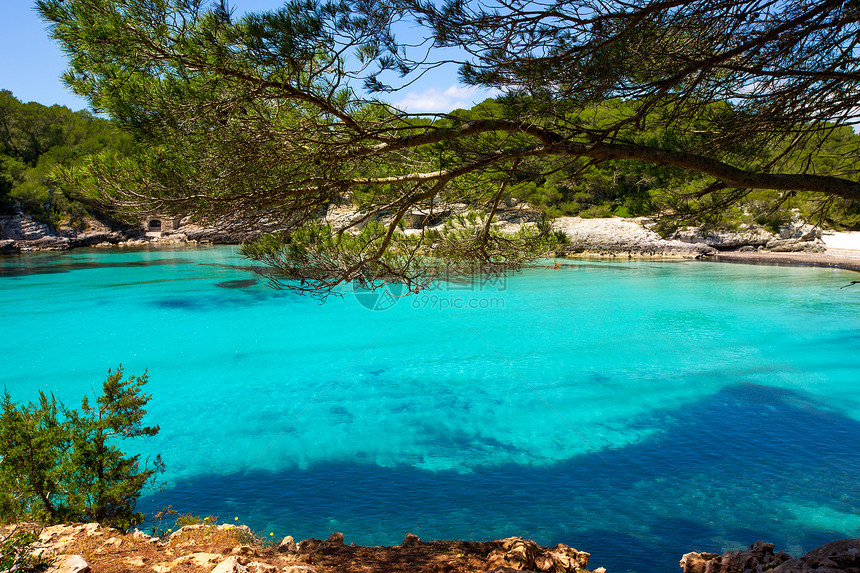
(636, 410)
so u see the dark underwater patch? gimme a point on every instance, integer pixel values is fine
(67, 266)
(239, 283)
(717, 472)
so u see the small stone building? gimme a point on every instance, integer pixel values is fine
(420, 218)
(156, 225)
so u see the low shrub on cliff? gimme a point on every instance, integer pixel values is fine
(16, 551)
(61, 465)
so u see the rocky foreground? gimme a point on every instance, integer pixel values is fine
(85, 548)
(836, 556)
(91, 548)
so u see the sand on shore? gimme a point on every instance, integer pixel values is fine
(843, 252)
(833, 258)
(843, 241)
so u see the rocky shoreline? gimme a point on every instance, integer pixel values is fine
(632, 238)
(21, 234)
(842, 555)
(635, 238)
(587, 238)
(831, 258)
(225, 548)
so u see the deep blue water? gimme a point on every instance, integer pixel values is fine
(637, 410)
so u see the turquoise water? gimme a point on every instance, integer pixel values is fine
(636, 410)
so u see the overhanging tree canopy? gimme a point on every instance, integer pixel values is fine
(268, 116)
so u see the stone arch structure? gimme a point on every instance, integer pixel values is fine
(156, 225)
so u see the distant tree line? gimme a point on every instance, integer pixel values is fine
(34, 139)
(628, 188)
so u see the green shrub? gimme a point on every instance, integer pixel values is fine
(16, 551)
(622, 211)
(191, 519)
(60, 465)
(597, 211)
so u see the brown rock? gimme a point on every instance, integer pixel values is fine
(696, 562)
(145, 537)
(544, 562)
(836, 557)
(70, 564)
(200, 559)
(335, 539)
(842, 555)
(41, 551)
(524, 555)
(257, 567)
(287, 545)
(309, 545)
(230, 565)
(243, 550)
(61, 537)
(184, 529)
(570, 558)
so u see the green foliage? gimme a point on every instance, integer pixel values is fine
(247, 536)
(60, 465)
(191, 519)
(597, 212)
(243, 534)
(159, 517)
(16, 551)
(34, 141)
(634, 189)
(773, 220)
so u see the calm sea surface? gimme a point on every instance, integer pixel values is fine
(636, 410)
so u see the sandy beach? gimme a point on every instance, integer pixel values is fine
(843, 251)
(847, 241)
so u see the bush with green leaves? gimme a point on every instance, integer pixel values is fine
(16, 551)
(62, 465)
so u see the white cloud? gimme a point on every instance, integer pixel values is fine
(437, 100)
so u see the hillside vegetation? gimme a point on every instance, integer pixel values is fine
(34, 139)
(635, 188)
(37, 139)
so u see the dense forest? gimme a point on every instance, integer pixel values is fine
(34, 139)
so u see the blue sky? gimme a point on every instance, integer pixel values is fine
(31, 65)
